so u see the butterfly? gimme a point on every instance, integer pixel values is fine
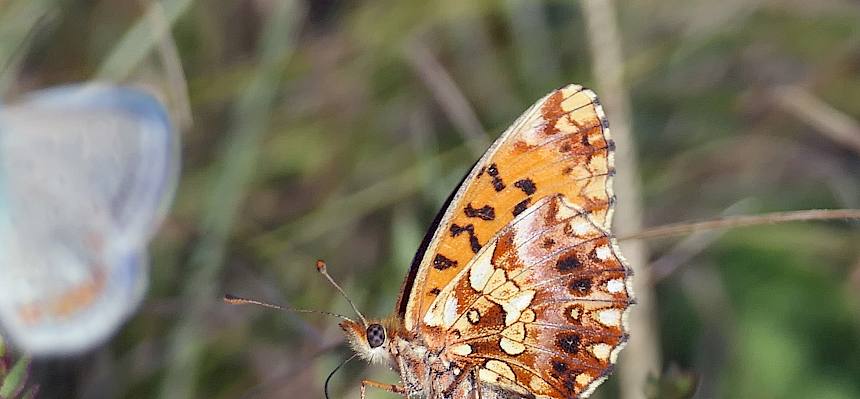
(518, 289)
(86, 174)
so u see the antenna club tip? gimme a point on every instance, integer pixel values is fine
(321, 267)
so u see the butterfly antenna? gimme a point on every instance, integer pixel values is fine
(339, 366)
(235, 300)
(321, 267)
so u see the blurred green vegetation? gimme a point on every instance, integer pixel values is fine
(14, 375)
(321, 130)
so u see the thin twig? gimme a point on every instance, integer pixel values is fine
(677, 229)
(688, 248)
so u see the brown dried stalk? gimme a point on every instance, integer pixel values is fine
(677, 229)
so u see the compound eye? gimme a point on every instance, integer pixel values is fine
(375, 335)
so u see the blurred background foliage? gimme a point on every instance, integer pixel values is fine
(335, 129)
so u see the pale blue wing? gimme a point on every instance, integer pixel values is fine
(86, 174)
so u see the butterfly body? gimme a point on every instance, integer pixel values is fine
(426, 371)
(519, 289)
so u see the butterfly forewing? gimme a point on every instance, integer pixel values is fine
(559, 146)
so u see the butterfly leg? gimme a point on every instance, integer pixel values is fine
(477, 383)
(393, 388)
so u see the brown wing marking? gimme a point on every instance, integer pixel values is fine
(549, 289)
(559, 146)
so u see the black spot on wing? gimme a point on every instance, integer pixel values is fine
(568, 342)
(440, 262)
(485, 212)
(527, 185)
(493, 171)
(581, 287)
(474, 244)
(567, 263)
(521, 206)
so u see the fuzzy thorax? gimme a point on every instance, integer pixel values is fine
(356, 334)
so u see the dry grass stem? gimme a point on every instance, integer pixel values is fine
(641, 357)
(727, 222)
(174, 74)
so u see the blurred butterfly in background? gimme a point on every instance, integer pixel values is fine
(86, 174)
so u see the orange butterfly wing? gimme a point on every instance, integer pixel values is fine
(560, 145)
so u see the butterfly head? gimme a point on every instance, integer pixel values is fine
(370, 341)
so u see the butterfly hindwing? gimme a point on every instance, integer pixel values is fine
(542, 307)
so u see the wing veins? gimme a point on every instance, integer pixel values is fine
(591, 331)
(460, 316)
(546, 351)
(527, 369)
(593, 300)
(589, 274)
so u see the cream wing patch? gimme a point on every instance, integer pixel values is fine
(499, 368)
(513, 338)
(481, 271)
